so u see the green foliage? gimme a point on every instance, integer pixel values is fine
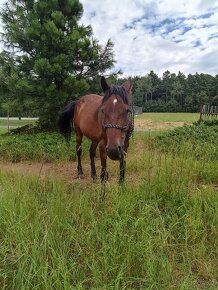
(162, 106)
(174, 93)
(55, 56)
(199, 141)
(37, 147)
(159, 233)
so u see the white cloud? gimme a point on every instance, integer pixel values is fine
(157, 35)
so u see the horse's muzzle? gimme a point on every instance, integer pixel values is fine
(114, 153)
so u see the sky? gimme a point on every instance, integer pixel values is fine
(159, 35)
(174, 35)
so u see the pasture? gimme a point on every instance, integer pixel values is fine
(163, 121)
(159, 231)
(170, 117)
(17, 123)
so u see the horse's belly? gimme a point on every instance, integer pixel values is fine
(87, 117)
(92, 130)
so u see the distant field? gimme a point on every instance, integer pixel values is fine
(169, 117)
(13, 124)
(3, 130)
(145, 121)
(17, 123)
(164, 121)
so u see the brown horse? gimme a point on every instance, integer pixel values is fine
(107, 121)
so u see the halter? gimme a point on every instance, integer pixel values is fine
(119, 90)
(108, 125)
(125, 127)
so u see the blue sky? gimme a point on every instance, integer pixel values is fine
(157, 35)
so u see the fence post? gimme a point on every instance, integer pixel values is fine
(8, 121)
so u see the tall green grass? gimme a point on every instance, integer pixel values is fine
(159, 232)
(38, 147)
(3, 130)
(199, 141)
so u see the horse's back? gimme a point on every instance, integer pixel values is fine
(86, 119)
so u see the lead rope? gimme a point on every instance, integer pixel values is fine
(103, 187)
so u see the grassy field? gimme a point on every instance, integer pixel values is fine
(17, 123)
(158, 232)
(3, 130)
(169, 117)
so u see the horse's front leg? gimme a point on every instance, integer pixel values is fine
(103, 156)
(92, 153)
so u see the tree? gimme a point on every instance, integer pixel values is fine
(155, 82)
(55, 58)
(143, 88)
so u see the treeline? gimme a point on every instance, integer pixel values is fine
(174, 92)
(169, 93)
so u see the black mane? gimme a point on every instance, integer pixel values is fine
(116, 90)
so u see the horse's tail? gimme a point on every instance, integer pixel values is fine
(65, 120)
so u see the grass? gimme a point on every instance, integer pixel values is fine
(158, 232)
(38, 147)
(170, 117)
(199, 141)
(17, 123)
(3, 130)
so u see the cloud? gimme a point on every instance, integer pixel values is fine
(157, 35)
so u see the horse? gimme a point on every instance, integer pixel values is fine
(106, 120)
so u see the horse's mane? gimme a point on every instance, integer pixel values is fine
(116, 90)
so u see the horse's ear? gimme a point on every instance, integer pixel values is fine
(128, 86)
(105, 86)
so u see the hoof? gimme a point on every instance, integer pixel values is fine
(80, 176)
(104, 177)
(121, 182)
(94, 177)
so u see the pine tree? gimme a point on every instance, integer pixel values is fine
(55, 57)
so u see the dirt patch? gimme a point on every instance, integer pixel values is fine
(66, 171)
(151, 125)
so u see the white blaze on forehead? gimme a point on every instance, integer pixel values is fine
(114, 101)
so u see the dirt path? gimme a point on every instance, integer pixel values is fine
(65, 171)
(62, 170)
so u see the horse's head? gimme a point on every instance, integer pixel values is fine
(116, 117)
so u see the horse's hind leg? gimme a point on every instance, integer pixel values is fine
(103, 156)
(92, 153)
(79, 154)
